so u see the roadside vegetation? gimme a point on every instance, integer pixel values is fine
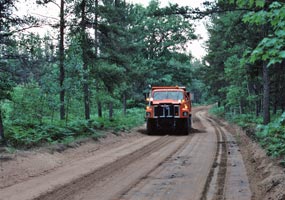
(271, 136)
(28, 134)
(246, 69)
(89, 73)
(91, 70)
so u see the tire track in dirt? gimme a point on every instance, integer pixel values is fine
(215, 184)
(123, 195)
(201, 166)
(43, 186)
(183, 175)
(228, 178)
(85, 182)
(118, 182)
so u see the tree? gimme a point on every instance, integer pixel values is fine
(5, 88)
(61, 62)
(249, 35)
(271, 48)
(6, 22)
(82, 11)
(62, 22)
(230, 80)
(85, 57)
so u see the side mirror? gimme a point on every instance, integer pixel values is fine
(188, 94)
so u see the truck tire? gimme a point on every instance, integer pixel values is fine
(186, 127)
(150, 127)
(183, 126)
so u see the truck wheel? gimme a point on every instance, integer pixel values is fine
(190, 122)
(150, 127)
(183, 127)
(186, 127)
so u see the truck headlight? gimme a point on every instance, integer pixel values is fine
(185, 114)
(147, 114)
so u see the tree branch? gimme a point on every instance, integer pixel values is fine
(6, 34)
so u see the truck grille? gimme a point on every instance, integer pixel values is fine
(166, 110)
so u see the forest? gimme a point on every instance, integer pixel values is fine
(92, 71)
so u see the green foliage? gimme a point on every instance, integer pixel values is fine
(6, 86)
(114, 58)
(134, 117)
(219, 111)
(249, 3)
(272, 137)
(244, 39)
(246, 120)
(25, 134)
(271, 47)
(10, 149)
(25, 98)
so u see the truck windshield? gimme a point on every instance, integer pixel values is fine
(174, 95)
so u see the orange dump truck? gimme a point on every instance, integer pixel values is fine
(168, 109)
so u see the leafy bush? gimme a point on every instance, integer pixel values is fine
(23, 133)
(219, 111)
(272, 136)
(133, 118)
(246, 120)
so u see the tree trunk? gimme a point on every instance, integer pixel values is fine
(240, 107)
(86, 97)
(277, 88)
(96, 37)
(282, 95)
(257, 106)
(111, 111)
(96, 29)
(266, 93)
(85, 62)
(124, 104)
(2, 135)
(99, 105)
(61, 61)
(257, 101)
(67, 110)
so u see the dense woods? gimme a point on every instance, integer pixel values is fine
(245, 52)
(245, 68)
(93, 70)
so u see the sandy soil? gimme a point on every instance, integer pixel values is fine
(216, 161)
(267, 178)
(24, 165)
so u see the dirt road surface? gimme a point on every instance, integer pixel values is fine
(216, 161)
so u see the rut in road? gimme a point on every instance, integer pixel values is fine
(228, 178)
(214, 188)
(90, 181)
(205, 165)
(183, 175)
(198, 171)
(179, 170)
(190, 167)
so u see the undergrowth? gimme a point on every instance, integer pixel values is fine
(272, 137)
(26, 134)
